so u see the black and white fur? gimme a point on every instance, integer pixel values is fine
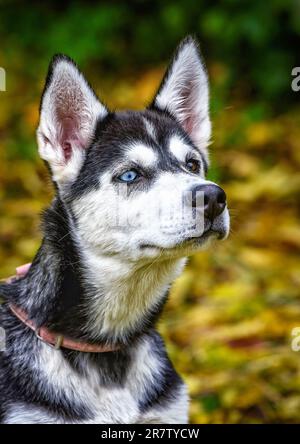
(93, 281)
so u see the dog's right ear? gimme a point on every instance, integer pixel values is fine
(68, 115)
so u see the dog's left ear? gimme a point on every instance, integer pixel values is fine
(68, 116)
(184, 93)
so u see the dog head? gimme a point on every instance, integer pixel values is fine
(134, 182)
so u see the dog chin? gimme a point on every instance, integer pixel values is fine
(184, 246)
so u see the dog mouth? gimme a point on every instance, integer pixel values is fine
(189, 241)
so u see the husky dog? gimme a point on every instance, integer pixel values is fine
(98, 281)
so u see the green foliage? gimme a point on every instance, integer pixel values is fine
(256, 41)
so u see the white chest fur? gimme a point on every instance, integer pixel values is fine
(107, 404)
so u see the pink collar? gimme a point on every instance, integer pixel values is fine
(57, 340)
(51, 338)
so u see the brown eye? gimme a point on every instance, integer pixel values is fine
(193, 165)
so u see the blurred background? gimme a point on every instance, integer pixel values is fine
(229, 319)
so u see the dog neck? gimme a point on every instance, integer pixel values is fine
(91, 297)
(128, 297)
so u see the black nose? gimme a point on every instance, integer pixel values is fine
(214, 200)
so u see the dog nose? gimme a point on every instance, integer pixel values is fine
(214, 200)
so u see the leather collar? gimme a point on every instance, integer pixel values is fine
(57, 340)
(53, 339)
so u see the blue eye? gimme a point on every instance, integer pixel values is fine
(129, 176)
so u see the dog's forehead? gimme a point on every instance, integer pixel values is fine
(141, 153)
(145, 137)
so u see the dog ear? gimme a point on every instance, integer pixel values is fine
(69, 112)
(184, 92)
